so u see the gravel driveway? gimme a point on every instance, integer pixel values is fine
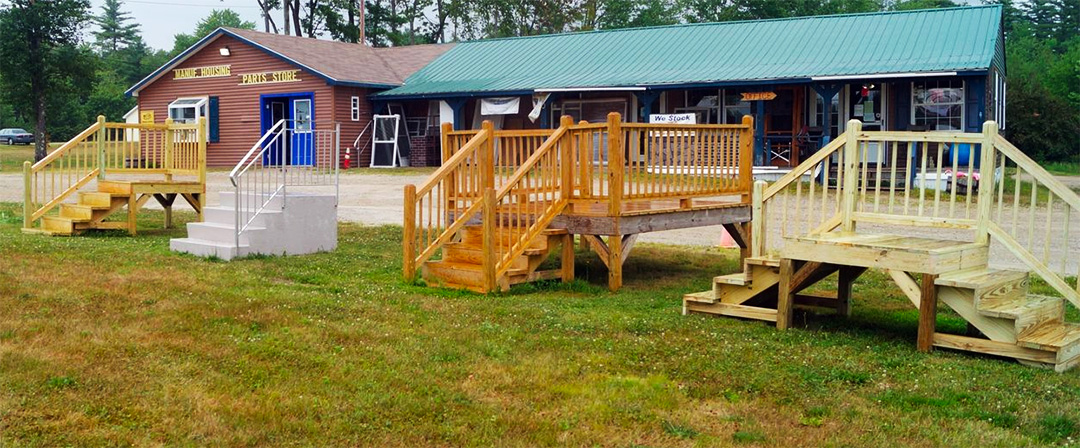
(373, 197)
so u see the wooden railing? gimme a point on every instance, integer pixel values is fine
(516, 182)
(105, 149)
(452, 196)
(922, 179)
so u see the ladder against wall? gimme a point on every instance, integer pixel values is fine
(503, 202)
(88, 182)
(933, 243)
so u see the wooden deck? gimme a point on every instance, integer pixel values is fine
(605, 182)
(823, 238)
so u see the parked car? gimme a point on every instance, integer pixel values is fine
(12, 136)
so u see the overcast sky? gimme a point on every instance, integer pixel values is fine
(160, 20)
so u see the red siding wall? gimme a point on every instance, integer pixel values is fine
(361, 152)
(239, 117)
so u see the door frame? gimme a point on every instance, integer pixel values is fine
(265, 116)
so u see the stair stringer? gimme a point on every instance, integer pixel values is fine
(962, 300)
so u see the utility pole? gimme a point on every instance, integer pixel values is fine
(362, 39)
(285, 4)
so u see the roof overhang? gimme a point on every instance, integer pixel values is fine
(209, 38)
(882, 76)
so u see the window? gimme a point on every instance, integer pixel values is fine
(939, 105)
(734, 107)
(355, 108)
(302, 115)
(187, 110)
(834, 114)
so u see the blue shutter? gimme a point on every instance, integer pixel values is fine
(212, 120)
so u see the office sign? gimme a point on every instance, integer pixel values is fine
(758, 96)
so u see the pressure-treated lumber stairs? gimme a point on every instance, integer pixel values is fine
(110, 197)
(461, 266)
(1018, 324)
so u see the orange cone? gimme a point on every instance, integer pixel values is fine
(726, 241)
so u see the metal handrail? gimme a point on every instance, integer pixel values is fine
(263, 175)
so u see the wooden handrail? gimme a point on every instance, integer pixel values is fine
(451, 164)
(58, 152)
(1037, 171)
(808, 164)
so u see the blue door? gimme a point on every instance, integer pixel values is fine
(303, 149)
(275, 110)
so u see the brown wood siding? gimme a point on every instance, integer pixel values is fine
(361, 152)
(238, 113)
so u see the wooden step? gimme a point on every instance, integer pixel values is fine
(95, 199)
(1027, 311)
(980, 277)
(736, 279)
(700, 297)
(1055, 335)
(114, 187)
(58, 225)
(764, 260)
(474, 254)
(469, 274)
(78, 213)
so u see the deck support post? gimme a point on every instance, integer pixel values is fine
(785, 302)
(927, 313)
(567, 262)
(409, 238)
(615, 262)
(848, 275)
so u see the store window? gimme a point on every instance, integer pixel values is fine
(938, 105)
(834, 114)
(187, 110)
(734, 107)
(355, 107)
(302, 115)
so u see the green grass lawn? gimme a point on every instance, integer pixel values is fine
(13, 156)
(110, 340)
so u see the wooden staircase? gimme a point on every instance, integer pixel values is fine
(463, 261)
(1016, 323)
(818, 238)
(104, 153)
(92, 210)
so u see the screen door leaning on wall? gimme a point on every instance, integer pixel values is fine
(384, 143)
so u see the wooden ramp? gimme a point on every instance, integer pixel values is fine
(1008, 319)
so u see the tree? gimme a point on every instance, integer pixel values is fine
(42, 61)
(218, 18)
(114, 30)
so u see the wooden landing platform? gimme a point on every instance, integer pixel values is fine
(650, 216)
(111, 196)
(902, 253)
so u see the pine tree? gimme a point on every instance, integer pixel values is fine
(114, 31)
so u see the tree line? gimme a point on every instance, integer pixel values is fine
(55, 80)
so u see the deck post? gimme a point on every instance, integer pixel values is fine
(408, 245)
(487, 156)
(851, 174)
(847, 277)
(27, 195)
(615, 262)
(201, 132)
(567, 262)
(101, 146)
(615, 163)
(488, 262)
(986, 182)
(927, 313)
(785, 301)
(566, 159)
(746, 156)
(757, 221)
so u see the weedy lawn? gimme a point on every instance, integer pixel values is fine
(109, 340)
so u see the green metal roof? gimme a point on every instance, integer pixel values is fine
(922, 41)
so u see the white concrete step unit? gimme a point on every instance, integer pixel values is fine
(307, 225)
